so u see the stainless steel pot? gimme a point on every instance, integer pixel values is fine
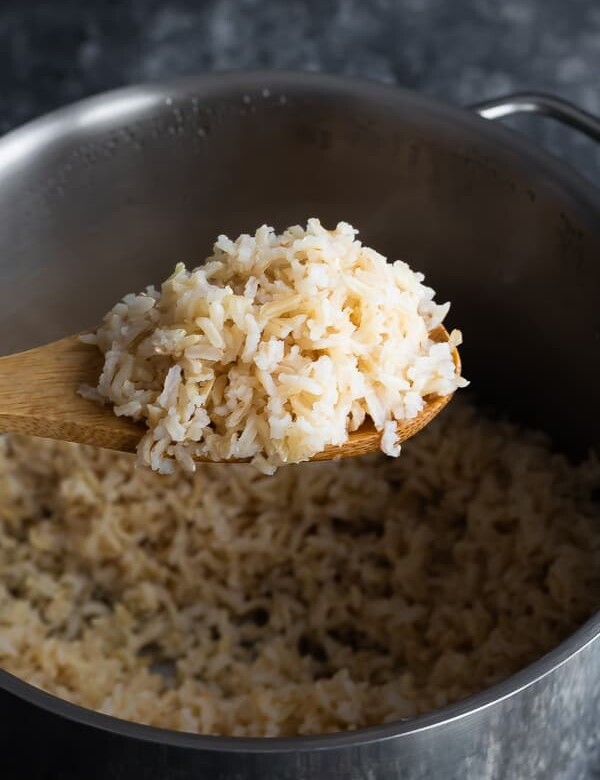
(102, 197)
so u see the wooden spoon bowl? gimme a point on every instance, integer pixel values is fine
(38, 397)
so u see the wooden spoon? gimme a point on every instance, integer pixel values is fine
(38, 396)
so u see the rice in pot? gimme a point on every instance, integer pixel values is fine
(327, 597)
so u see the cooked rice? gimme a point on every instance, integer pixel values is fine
(275, 348)
(328, 597)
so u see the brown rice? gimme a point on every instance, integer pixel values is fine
(328, 597)
(273, 349)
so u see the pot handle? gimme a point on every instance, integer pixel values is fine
(539, 103)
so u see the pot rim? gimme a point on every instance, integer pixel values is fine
(133, 102)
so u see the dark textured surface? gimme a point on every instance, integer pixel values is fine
(55, 51)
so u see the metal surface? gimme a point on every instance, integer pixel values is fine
(105, 196)
(538, 103)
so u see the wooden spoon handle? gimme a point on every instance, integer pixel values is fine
(38, 396)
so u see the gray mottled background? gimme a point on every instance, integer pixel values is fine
(56, 51)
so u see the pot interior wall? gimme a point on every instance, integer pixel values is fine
(93, 205)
